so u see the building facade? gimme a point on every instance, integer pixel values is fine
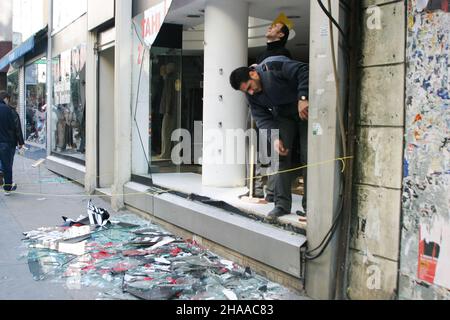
(125, 75)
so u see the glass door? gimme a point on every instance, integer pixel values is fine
(165, 106)
(35, 103)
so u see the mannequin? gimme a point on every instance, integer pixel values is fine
(60, 129)
(168, 109)
(156, 121)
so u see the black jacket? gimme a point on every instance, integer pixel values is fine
(274, 49)
(284, 82)
(7, 124)
(18, 128)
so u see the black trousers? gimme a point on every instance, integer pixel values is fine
(294, 134)
(7, 159)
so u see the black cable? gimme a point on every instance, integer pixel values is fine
(325, 10)
(328, 14)
(326, 241)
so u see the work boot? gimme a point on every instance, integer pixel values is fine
(275, 214)
(302, 215)
(258, 193)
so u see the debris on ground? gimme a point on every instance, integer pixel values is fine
(129, 258)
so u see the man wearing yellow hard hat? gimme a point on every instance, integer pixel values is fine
(277, 36)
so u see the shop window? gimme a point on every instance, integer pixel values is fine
(35, 103)
(69, 104)
(13, 88)
(166, 94)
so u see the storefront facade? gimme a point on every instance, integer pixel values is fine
(26, 83)
(67, 117)
(125, 75)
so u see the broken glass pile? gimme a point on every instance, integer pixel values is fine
(129, 258)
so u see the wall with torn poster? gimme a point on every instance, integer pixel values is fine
(425, 241)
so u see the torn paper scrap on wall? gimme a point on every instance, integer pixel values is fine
(426, 183)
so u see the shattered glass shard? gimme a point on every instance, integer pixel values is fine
(158, 293)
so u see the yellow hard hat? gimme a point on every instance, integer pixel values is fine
(284, 20)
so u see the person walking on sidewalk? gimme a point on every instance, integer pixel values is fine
(10, 137)
(277, 92)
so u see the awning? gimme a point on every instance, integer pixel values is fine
(18, 52)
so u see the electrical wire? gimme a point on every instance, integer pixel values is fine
(328, 237)
(329, 15)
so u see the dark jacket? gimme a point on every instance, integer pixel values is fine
(7, 125)
(284, 82)
(274, 49)
(18, 134)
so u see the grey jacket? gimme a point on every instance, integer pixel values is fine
(284, 82)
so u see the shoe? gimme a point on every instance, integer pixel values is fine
(275, 214)
(258, 193)
(302, 215)
(13, 188)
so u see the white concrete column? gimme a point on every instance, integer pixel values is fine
(226, 48)
(122, 102)
(90, 181)
(324, 145)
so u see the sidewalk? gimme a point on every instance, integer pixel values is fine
(22, 211)
(28, 209)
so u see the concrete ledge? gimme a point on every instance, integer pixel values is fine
(272, 246)
(136, 195)
(71, 170)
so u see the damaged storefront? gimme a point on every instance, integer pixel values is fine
(135, 82)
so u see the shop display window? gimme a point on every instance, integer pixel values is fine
(166, 96)
(69, 104)
(35, 103)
